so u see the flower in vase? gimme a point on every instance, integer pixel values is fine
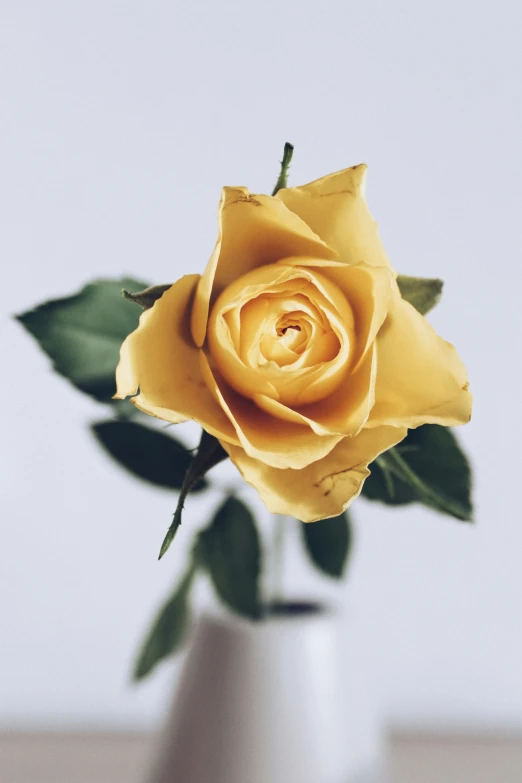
(295, 348)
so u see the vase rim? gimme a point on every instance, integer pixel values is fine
(281, 613)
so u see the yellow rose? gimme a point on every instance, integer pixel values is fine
(295, 348)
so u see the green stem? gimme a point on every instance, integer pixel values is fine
(209, 453)
(278, 558)
(282, 182)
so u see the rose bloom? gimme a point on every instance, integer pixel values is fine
(295, 348)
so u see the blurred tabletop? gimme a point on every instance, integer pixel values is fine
(125, 758)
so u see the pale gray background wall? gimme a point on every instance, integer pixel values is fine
(120, 123)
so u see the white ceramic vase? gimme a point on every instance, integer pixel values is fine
(277, 701)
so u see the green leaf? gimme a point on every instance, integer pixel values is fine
(82, 334)
(148, 296)
(329, 543)
(230, 550)
(428, 467)
(168, 629)
(210, 452)
(147, 453)
(421, 292)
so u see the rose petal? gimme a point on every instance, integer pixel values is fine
(235, 341)
(345, 412)
(420, 378)
(369, 290)
(253, 231)
(335, 208)
(279, 443)
(160, 359)
(324, 488)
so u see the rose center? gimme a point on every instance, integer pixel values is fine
(282, 332)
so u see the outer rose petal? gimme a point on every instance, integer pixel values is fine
(324, 488)
(160, 359)
(335, 208)
(253, 231)
(420, 378)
